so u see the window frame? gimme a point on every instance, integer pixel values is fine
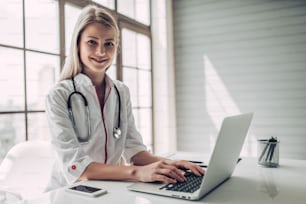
(123, 22)
(25, 112)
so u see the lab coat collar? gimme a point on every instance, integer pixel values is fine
(85, 80)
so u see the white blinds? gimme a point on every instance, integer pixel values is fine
(241, 56)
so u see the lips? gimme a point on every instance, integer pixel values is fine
(99, 60)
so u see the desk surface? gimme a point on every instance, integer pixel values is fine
(250, 183)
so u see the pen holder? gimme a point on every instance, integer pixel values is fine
(268, 152)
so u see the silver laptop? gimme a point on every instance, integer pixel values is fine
(221, 165)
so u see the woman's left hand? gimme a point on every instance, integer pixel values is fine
(182, 164)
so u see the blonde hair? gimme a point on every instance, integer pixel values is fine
(90, 14)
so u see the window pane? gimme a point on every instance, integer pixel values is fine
(12, 131)
(11, 80)
(42, 25)
(137, 75)
(145, 89)
(136, 50)
(145, 126)
(71, 15)
(130, 79)
(111, 72)
(38, 126)
(143, 11)
(143, 52)
(42, 72)
(126, 7)
(136, 116)
(11, 23)
(107, 3)
(129, 45)
(143, 121)
(138, 10)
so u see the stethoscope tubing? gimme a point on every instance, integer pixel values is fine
(116, 130)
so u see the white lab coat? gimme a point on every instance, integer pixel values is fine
(72, 157)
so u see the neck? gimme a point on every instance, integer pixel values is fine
(96, 78)
(100, 89)
(98, 81)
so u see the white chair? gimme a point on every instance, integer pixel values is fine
(26, 169)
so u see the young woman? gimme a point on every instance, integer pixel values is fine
(90, 115)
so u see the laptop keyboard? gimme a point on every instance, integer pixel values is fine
(191, 184)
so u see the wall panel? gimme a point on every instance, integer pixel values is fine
(241, 56)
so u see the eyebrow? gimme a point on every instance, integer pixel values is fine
(110, 39)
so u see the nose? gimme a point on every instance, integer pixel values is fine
(100, 51)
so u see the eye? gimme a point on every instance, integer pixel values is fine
(91, 42)
(109, 44)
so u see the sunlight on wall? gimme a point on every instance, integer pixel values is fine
(220, 103)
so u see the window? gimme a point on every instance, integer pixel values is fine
(29, 66)
(106, 3)
(11, 18)
(33, 47)
(71, 14)
(136, 62)
(138, 10)
(133, 62)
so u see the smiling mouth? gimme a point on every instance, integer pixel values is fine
(99, 60)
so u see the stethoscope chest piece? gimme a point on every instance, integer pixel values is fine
(117, 133)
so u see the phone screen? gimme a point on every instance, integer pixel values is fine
(86, 189)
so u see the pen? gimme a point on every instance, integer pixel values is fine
(205, 166)
(269, 151)
(263, 151)
(272, 152)
(196, 162)
(201, 164)
(274, 140)
(271, 143)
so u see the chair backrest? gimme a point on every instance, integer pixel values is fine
(26, 169)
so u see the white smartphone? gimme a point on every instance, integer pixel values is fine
(87, 190)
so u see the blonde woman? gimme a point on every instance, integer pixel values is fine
(90, 115)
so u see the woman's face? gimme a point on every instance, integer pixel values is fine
(97, 48)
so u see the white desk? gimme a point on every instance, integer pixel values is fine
(250, 183)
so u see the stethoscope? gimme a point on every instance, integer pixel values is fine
(116, 130)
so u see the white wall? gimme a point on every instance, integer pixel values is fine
(163, 78)
(241, 56)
